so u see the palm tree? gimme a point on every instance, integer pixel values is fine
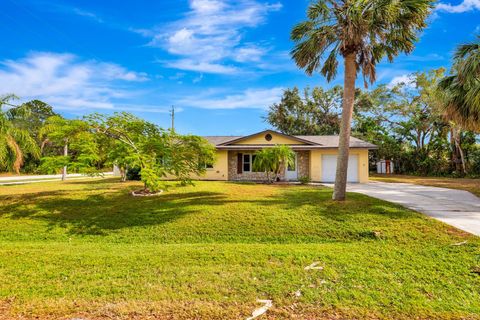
(284, 157)
(14, 142)
(273, 160)
(363, 32)
(264, 162)
(462, 88)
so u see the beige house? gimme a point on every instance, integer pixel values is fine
(316, 157)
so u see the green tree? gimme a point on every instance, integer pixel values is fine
(363, 32)
(31, 116)
(273, 160)
(76, 138)
(33, 120)
(462, 87)
(158, 153)
(408, 124)
(316, 113)
(15, 142)
(264, 162)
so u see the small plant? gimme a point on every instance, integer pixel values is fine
(304, 180)
(272, 160)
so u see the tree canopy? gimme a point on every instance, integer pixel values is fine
(317, 112)
(15, 141)
(462, 87)
(158, 153)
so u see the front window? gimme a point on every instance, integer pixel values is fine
(209, 165)
(248, 160)
(205, 164)
(247, 164)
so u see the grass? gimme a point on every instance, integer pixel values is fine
(88, 249)
(471, 185)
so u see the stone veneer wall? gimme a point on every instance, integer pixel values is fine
(303, 164)
(303, 167)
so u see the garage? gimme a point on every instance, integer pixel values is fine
(329, 168)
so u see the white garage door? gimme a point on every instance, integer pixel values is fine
(329, 168)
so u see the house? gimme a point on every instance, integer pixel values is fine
(316, 157)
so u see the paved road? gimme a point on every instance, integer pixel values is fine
(10, 180)
(458, 208)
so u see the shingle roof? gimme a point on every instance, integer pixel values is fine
(319, 142)
(216, 140)
(332, 141)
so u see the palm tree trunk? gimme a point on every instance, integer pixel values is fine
(458, 146)
(345, 127)
(453, 146)
(64, 170)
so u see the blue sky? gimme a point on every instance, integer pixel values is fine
(221, 63)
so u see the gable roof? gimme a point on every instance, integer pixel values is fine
(242, 138)
(307, 142)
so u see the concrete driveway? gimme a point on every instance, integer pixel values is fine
(458, 208)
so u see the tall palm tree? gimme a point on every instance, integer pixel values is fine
(14, 142)
(362, 32)
(462, 87)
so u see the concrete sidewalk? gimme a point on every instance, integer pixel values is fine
(458, 208)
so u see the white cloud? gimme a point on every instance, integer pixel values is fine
(207, 67)
(198, 79)
(428, 57)
(464, 6)
(87, 14)
(251, 53)
(65, 82)
(212, 33)
(407, 79)
(250, 98)
(207, 6)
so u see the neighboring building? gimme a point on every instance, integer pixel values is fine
(385, 167)
(316, 157)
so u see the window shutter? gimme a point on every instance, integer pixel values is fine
(239, 163)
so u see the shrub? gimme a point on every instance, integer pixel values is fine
(304, 180)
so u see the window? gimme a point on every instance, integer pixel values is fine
(248, 160)
(206, 165)
(247, 164)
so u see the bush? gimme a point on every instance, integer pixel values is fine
(304, 180)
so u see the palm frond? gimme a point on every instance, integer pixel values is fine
(369, 29)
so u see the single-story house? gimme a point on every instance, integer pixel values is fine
(316, 157)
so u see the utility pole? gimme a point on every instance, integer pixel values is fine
(172, 114)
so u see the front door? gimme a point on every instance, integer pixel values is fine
(291, 174)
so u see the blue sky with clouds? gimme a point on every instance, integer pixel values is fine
(221, 63)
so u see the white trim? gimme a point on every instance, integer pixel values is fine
(250, 162)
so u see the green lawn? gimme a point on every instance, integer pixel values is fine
(88, 249)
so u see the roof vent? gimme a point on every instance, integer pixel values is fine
(268, 137)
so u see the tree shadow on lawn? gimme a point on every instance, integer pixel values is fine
(96, 214)
(107, 209)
